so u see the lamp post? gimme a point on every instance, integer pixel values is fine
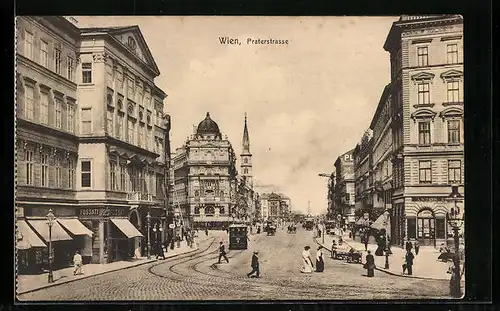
(455, 219)
(148, 220)
(50, 222)
(386, 222)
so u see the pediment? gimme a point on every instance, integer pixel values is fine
(132, 39)
(451, 112)
(423, 114)
(453, 73)
(423, 76)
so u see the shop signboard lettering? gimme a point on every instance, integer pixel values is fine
(427, 199)
(102, 212)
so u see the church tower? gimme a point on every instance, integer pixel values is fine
(246, 156)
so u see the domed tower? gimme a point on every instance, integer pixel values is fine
(208, 129)
(246, 156)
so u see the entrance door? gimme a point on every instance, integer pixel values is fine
(426, 228)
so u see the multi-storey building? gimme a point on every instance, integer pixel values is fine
(205, 178)
(426, 55)
(275, 206)
(381, 161)
(362, 176)
(90, 146)
(345, 187)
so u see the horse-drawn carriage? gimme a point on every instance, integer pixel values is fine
(347, 253)
(270, 228)
(292, 229)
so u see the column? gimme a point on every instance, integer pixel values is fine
(101, 241)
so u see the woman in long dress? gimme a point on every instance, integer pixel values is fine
(320, 264)
(307, 266)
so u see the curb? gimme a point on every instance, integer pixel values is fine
(390, 272)
(100, 273)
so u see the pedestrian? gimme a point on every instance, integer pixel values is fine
(222, 252)
(365, 241)
(320, 263)
(417, 246)
(370, 264)
(409, 261)
(78, 262)
(334, 249)
(206, 231)
(165, 244)
(408, 245)
(307, 266)
(255, 265)
(159, 251)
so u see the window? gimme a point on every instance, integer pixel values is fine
(423, 94)
(440, 228)
(245, 171)
(86, 73)
(58, 107)
(424, 170)
(454, 171)
(453, 131)
(58, 172)
(44, 53)
(71, 118)
(123, 179)
(86, 120)
(452, 91)
(29, 167)
(71, 174)
(411, 228)
(452, 53)
(30, 102)
(44, 108)
(119, 125)
(86, 174)
(28, 45)
(57, 60)
(130, 132)
(109, 121)
(70, 69)
(422, 56)
(245, 160)
(424, 133)
(112, 168)
(45, 170)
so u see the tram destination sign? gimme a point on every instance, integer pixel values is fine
(102, 212)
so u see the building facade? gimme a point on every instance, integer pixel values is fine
(205, 184)
(75, 155)
(426, 55)
(345, 188)
(275, 207)
(363, 177)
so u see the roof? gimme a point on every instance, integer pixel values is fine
(208, 126)
(121, 29)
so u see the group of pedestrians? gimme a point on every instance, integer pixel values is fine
(307, 265)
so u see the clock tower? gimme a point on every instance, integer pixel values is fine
(246, 157)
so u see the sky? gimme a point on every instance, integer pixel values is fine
(307, 102)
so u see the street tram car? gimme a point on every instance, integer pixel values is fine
(292, 228)
(308, 224)
(330, 227)
(238, 236)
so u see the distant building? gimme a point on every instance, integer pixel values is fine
(275, 206)
(344, 187)
(362, 176)
(427, 90)
(205, 186)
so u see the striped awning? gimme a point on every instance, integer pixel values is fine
(42, 228)
(126, 227)
(74, 226)
(26, 237)
(382, 222)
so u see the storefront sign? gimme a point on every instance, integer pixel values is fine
(102, 212)
(427, 199)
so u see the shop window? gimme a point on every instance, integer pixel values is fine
(411, 228)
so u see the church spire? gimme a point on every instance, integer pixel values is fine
(246, 139)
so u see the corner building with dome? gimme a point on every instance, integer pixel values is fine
(204, 190)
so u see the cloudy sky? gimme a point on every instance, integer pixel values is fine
(307, 102)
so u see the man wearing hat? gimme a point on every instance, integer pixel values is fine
(255, 264)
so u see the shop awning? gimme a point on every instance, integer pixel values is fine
(382, 222)
(26, 237)
(126, 227)
(74, 226)
(42, 228)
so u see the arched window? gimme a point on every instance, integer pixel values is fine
(209, 210)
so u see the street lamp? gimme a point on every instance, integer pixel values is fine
(455, 219)
(386, 223)
(50, 222)
(148, 220)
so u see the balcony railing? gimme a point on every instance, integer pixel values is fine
(137, 196)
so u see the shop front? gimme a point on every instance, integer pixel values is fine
(426, 220)
(113, 235)
(30, 249)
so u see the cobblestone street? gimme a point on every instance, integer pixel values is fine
(196, 276)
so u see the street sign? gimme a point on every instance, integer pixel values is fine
(171, 226)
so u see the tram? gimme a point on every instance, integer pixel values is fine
(238, 236)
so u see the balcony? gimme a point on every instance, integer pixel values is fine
(138, 196)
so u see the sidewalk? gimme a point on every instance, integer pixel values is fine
(426, 265)
(29, 283)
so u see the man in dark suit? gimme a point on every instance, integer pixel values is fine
(255, 265)
(408, 245)
(222, 252)
(409, 261)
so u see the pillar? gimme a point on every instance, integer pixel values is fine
(101, 241)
